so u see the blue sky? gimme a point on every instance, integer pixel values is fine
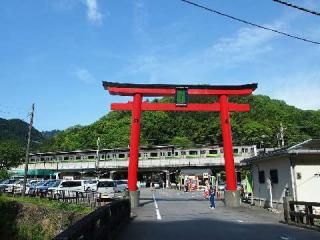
(56, 53)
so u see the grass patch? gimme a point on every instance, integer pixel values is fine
(30, 218)
(53, 204)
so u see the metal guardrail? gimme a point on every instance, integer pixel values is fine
(103, 223)
(301, 213)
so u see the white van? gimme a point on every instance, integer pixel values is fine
(106, 188)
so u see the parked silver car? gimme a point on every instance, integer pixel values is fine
(106, 188)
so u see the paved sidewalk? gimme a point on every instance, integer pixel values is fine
(178, 215)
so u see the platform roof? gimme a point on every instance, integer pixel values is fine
(310, 146)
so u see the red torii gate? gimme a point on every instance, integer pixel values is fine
(181, 92)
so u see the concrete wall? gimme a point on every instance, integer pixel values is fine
(261, 192)
(308, 186)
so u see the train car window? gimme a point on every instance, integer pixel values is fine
(193, 152)
(154, 154)
(213, 151)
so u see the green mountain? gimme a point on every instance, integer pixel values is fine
(260, 126)
(16, 130)
(49, 134)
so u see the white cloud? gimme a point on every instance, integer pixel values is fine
(244, 47)
(93, 13)
(84, 76)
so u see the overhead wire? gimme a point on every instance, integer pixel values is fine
(250, 23)
(297, 7)
(16, 112)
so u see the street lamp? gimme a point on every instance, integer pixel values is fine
(262, 142)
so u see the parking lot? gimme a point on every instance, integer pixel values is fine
(92, 192)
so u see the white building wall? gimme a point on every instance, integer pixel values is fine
(308, 186)
(261, 192)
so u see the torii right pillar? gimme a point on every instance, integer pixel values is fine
(232, 195)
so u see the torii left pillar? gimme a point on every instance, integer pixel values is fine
(134, 151)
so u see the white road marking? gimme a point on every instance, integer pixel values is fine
(240, 221)
(157, 209)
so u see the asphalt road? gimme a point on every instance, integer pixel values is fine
(170, 214)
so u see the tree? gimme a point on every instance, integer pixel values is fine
(4, 174)
(10, 155)
(182, 142)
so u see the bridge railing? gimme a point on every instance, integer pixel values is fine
(301, 213)
(91, 199)
(103, 223)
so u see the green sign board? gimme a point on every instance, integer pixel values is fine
(182, 96)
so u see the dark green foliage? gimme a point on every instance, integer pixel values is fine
(4, 174)
(261, 124)
(16, 130)
(182, 142)
(11, 154)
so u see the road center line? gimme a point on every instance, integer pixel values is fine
(156, 207)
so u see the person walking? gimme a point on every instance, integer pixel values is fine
(211, 198)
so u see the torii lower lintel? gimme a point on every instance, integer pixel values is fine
(192, 107)
(223, 106)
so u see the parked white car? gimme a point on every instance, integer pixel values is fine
(121, 185)
(106, 188)
(91, 185)
(68, 187)
(12, 184)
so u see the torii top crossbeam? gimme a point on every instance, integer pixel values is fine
(154, 90)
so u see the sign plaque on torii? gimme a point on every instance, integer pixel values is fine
(181, 93)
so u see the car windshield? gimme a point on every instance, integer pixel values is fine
(5, 181)
(49, 183)
(90, 181)
(31, 184)
(11, 181)
(122, 182)
(106, 184)
(40, 184)
(55, 184)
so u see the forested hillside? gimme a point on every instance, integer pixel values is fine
(192, 128)
(16, 130)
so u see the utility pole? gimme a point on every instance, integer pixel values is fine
(27, 152)
(98, 157)
(282, 135)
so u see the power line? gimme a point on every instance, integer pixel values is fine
(297, 7)
(250, 23)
